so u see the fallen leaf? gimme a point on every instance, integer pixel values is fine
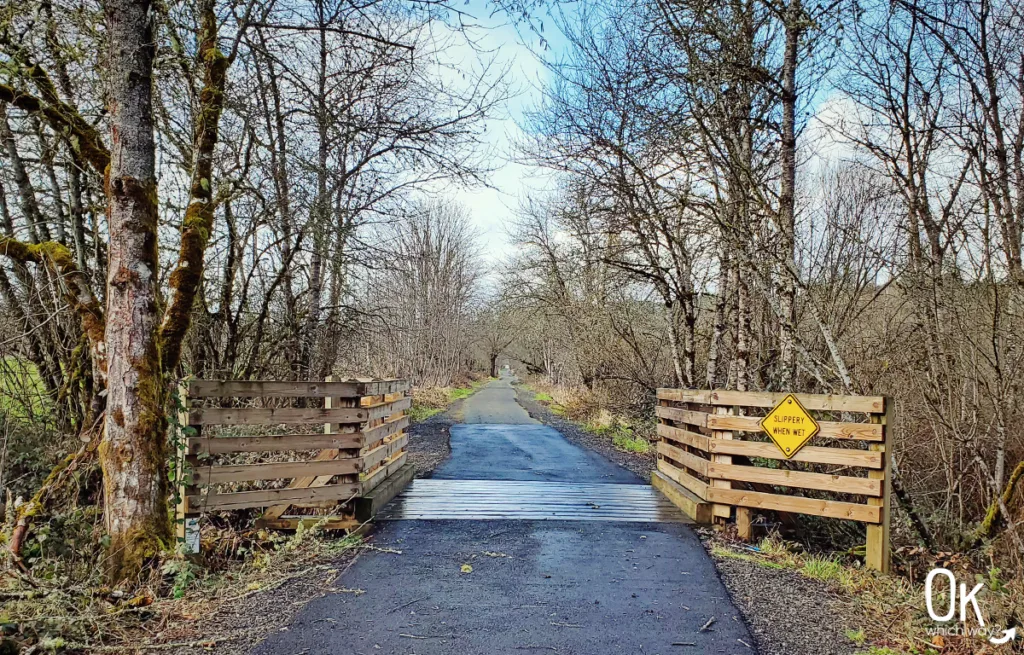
(466, 568)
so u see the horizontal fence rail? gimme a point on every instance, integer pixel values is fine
(712, 446)
(361, 443)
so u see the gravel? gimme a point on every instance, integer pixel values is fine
(790, 614)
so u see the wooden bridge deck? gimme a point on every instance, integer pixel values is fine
(526, 500)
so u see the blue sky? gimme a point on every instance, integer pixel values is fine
(492, 209)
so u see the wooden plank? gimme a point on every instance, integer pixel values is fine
(372, 478)
(682, 416)
(284, 442)
(744, 524)
(275, 443)
(698, 487)
(396, 461)
(679, 435)
(689, 460)
(821, 402)
(681, 497)
(830, 508)
(810, 454)
(397, 442)
(293, 416)
(185, 517)
(300, 389)
(367, 506)
(267, 497)
(385, 431)
(877, 554)
(385, 410)
(685, 396)
(829, 429)
(379, 387)
(277, 470)
(374, 456)
(801, 479)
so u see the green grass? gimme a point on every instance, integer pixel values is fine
(723, 553)
(622, 437)
(631, 444)
(543, 397)
(420, 413)
(829, 570)
(22, 394)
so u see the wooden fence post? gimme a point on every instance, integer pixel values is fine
(877, 554)
(720, 511)
(186, 524)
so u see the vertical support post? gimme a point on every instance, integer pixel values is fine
(877, 554)
(186, 523)
(744, 523)
(329, 404)
(721, 512)
(744, 515)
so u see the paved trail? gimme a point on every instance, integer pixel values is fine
(580, 587)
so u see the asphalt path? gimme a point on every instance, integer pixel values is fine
(433, 587)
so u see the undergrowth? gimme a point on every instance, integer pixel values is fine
(62, 604)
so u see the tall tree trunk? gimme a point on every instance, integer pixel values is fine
(718, 331)
(794, 27)
(321, 210)
(133, 452)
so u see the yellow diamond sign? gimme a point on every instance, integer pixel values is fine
(789, 425)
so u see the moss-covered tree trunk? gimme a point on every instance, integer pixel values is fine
(133, 451)
(198, 222)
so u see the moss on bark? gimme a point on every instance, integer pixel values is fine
(197, 223)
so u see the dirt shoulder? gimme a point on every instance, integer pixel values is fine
(789, 613)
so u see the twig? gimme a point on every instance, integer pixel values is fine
(707, 625)
(402, 607)
(426, 636)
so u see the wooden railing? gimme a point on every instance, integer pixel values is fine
(243, 452)
(713, 457)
